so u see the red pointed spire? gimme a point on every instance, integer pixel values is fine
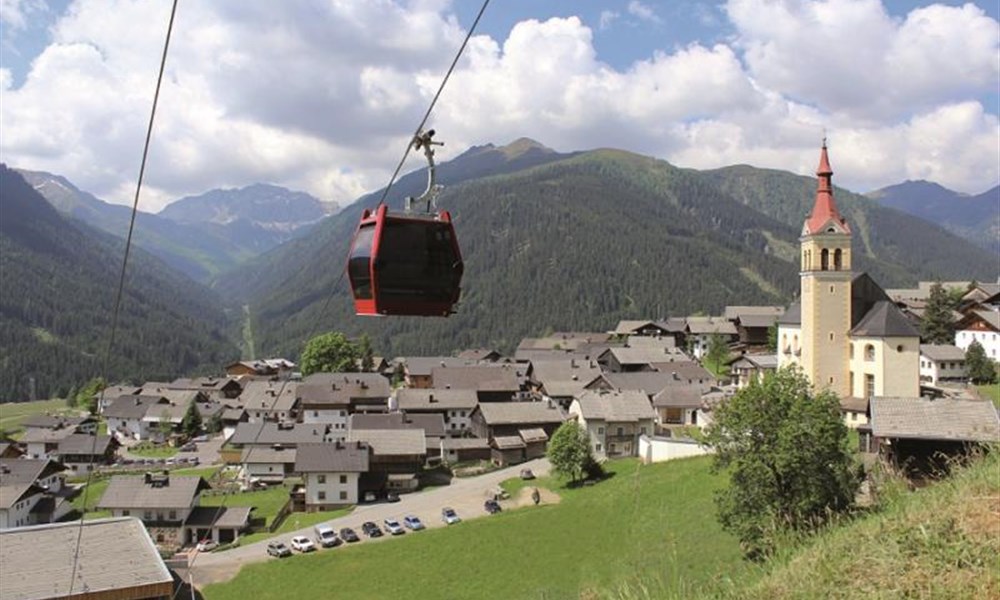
(825, 208)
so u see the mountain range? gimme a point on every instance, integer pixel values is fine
(976, 217)
(200, 236)
(578, 241)
(551, 241)
(59, 281)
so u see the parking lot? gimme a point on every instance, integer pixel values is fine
(466, 496)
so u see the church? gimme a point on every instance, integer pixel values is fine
(845, 333)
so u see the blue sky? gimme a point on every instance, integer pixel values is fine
(321, 96)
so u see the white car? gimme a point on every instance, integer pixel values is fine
(207, 545)
(393, 527)
(302, 544)
(449, 516)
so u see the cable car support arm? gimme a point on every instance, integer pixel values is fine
(425, 141)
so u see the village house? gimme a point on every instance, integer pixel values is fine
(585, 345)
(267, 367)
(31, 492)
(332, 397)
(168, 505)
(219, 389)
(42, 433)
(9, 449)
(614, 420)
(113, 559)
(517, 431)
(479, 355)
(418, 370)
(105, 397)
(648, 382)
(79, 424)
(267, 434)
(432, 426)
(495, 383)
(626, 360)
(941, 363)
(652, 329)
(454, 406)
(981, 296)
(752, 367)
(268, 400)
(753, 323)
(81, 452)
(561, 380)
(397, 455)
(981, 326)
(268, 464)
(682, 405)
(922, 435)
(458, 450)
(331, 473)
(699, 332)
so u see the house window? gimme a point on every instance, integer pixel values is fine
(869, 352)
(597, 447)
(321, 495)
(831, 289)
(343, 495)
(621, 431)
(315, 413)
(147, 515)
(172, 515)
(850, 350)
(642, 431)
(899, 348)
(838, 259)
(600, 431)
(831, 336)
(850, 387)
(321, 479)
(343, 479)
(869, 385)
(824, 259)
(125, 513)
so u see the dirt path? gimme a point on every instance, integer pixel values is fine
(523, 498)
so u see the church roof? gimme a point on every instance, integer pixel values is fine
(792, 316)
(825, 207)
(884, 320)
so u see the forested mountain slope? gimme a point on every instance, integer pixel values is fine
(583, 240)
(59, 279)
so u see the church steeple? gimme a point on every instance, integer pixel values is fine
(825, 208)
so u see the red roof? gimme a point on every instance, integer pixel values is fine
(825, 208)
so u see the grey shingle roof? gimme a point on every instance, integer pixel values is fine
(341, 389)
(37, 562)
(41, 434)
(942, 352)
(615, 407)
(464, 443)
(735, 312)
(268, 395)
(219, 516)
(686, 370)
(649, 382)
(391, 442)
(707, 325)
(943, 419)
(884, 320)
(350, 457)
(435, 399)
(421, 366)
(508, 442)
(431, 424)
(269, 455)
(54, 421)
(130, 406)
(499, 378)
(757, 320)
(646, 355)
(268, 433)
(82, 443)
(533, 434)
(681, 396)
(518, 413)
(792, 316)
(27, 470)
(131, 491)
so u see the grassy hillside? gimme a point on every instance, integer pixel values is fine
(12, 414)
(656, 520)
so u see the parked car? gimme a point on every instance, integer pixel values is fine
(278, 549)
(527, 474)
(393, 527)
(449, 516)
(369, 497)
(413, 522)
(207, 545)
(189, 447)
(348, 535)
(200, 438)
(371, 529)
(391, 497)
(303, 544)
(492, 507)
(326, 536)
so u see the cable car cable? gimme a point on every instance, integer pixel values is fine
(420, 128)
(121, 286)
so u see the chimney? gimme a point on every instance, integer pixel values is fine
(675, 376)
(147, 477)
(431, 398)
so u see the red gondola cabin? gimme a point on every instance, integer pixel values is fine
(405, 264)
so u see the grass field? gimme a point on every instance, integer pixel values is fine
(13, 413)
(295, 521)
(150, 450)
(655, 520)
(991, 391)
(267, 502)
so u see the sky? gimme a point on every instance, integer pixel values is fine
(323, 95)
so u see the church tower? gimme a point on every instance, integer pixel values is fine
(826, 289)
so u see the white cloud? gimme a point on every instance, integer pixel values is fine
(642, 11)
(264, 92)
(607, 18)
(15, 13)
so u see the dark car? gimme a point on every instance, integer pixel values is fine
(347, 534)
(278, 549)
(392, 497)
(492, 507)
(371, 529)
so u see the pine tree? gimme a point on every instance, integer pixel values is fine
(937, 326)
(191, 424)
(367, 355)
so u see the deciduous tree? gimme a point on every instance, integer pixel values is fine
(329, 353)
(787, 455)
(569, 450)
(978, 366)
(717, 352)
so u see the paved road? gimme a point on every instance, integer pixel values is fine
(466, 496)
